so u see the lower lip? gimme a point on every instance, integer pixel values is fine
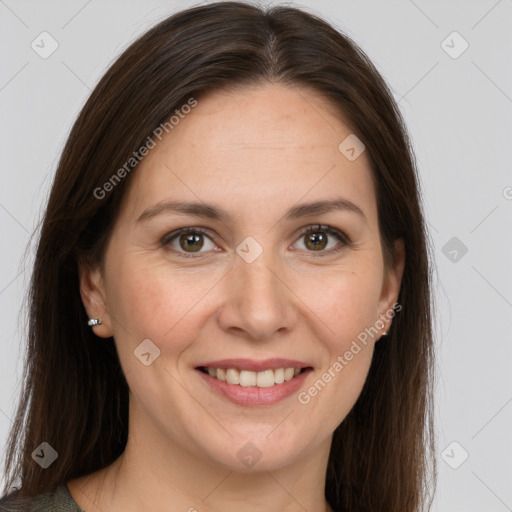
(253, 395)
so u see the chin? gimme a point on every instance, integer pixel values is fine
(248, 452)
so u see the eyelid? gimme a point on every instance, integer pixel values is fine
(327, 229)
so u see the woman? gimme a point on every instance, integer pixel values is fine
(231, 294)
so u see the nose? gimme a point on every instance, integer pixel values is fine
(257, 301)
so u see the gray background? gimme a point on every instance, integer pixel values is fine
(459, 113)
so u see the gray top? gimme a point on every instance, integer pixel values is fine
(57, 500)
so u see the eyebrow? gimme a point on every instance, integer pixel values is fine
(216, 213)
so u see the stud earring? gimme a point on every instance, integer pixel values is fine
(94, 321)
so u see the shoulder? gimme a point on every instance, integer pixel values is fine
(57, 499)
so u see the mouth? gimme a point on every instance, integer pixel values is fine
(257, 387)
(248, 378)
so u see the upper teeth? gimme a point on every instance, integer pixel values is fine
(246, 378)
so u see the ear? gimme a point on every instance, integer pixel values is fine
(391, 284)
(94, 298)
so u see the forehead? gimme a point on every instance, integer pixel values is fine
(258, 147)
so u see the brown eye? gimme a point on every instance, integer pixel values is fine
(187, 241)
(191, 241)
(317, 238)
(316, 241)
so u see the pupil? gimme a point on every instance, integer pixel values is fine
(319, 241)
(191, 240)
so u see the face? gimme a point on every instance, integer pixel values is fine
(251, 286)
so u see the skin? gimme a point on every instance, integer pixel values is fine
(256, 153)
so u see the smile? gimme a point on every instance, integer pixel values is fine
(253, 388)
(246, 378)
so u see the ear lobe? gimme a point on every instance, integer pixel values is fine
(92, 292)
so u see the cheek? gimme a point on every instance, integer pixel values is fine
(344, 301)
(344, 310)
(153, 301)
(140, 300)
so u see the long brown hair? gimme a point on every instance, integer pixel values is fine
(74, 394)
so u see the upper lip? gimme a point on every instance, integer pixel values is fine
(255, 366)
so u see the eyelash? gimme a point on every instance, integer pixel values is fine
(345, 240)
